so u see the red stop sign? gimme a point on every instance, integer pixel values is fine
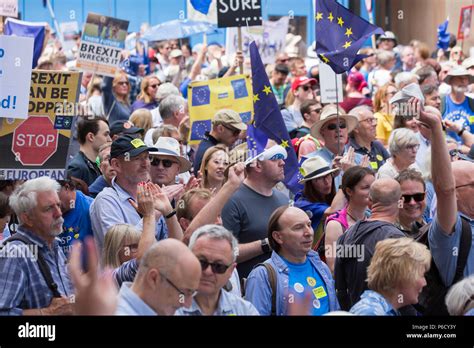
(35, 141)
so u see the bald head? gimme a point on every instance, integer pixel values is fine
(385, 192)
(170, 256)
(463, 172)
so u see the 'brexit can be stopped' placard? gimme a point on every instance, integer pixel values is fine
(16, 56)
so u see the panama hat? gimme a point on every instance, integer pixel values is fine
(458, 70)
(329, 113)
(315, 167)
(167, 146)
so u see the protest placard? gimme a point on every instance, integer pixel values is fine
(207, 97)
(464, 28)
(270, 39)
(69, 30)
(9, 8)
(239, 13)
(329, 88)
(38, 146)
(203, 11)
(16, 55)
(102, 41)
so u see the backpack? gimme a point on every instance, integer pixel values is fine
(431, 300)
(272, 279)
(43, 266)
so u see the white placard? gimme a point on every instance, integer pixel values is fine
(16, 60)
(9, 8)
(327, 79)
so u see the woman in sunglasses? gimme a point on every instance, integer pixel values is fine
(410, 217)
(403, 146)
(213, 166)
(147, 97)
(115, 96)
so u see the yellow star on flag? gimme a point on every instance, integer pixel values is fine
(348, 32)
(256, 98)
(340, 21)
(347, 44)
(319, 16)
(267, 90)
(330, 17)
(284, 143)
(325, 60)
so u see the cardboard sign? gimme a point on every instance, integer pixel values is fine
(239, 13)
(16, 56)
(38, 146)
(327, 78)
(69, 31)
(270, 39)
(464, 28)
(102, 42)
(9, 8)
(203, 13)
(205, 98)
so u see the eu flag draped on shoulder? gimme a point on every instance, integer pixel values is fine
(340, 34)
(268, 119)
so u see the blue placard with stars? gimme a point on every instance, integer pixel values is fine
(240, 89)
(199, 129)
(340, 34)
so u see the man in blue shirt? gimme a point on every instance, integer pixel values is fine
(24, 289)
(454, 187)
(77, 222)
(298, 270)
(167, 279)
(457, 106)
(129, 157)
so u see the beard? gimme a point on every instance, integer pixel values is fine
(460, 89)
(57, 227)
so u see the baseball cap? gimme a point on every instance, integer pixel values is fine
(282, 68)
(125, 127)
(276, 152)
(230, 117)
(128, 144)
(176, 53)
(301, 81)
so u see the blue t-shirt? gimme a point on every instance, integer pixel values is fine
(77, 223)
(303, 279)
(459, 113)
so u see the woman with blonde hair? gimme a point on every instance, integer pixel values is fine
(383, 112)
(213, 166)
(147, 97)
(120, 245)
(142, 118)
(115, 95)
(395, 277)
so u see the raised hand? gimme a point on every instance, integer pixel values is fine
(173, 191)
(348, 160)
(160, 199)
(236, 174)
(145, 199)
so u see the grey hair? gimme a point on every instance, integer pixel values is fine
(460, 297)
(165, 90)
(170, 105)
(384, 57)
(24, 199)
(216, 232)
(359, 110)
(404, 78)
(400, 138)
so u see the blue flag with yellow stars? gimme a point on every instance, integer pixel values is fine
(340, 34)
(268, 119)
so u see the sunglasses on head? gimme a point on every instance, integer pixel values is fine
(217, 268)
(166, 162)
(418, 197)
(333, 126)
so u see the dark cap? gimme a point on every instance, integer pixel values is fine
(282, 68)
(128, 144)
(125, 127)
(469, 156)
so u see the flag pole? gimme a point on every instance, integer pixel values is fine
(337, 119)
(239, 36)
(56, 25)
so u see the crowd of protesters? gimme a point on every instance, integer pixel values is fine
(147, 224)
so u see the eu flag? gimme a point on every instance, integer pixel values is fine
(340, 34)
(443, 35)
(201, 5)
(268, 119)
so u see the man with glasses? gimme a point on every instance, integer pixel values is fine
(226, 127)
(167, 162)
(363, 137)
(129, 157)
(216, 249)
(167, 279)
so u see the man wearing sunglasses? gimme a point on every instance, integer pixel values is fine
(166, 280)
(226, 127)
(216, 249)
(410, 217)
(167, 162)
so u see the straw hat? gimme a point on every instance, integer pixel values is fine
(329, 113)
(315, 167)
